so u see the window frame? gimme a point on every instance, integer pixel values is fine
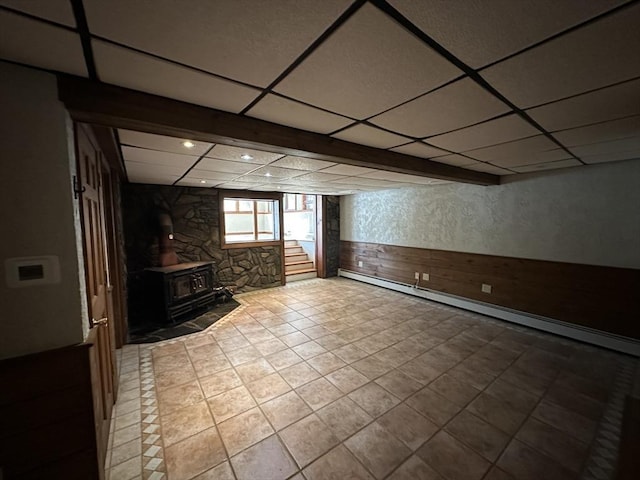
(239, 195)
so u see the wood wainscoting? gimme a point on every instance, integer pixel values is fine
(602, 298)
(47, 416)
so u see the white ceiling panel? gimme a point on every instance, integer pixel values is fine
(457, 160)
(601, 132)
(370, 136)
(190, 181)
(58, 11)
(486, 168)
(276, 109)
(362, 181)
(611, 157)
(348, 170)
(419, 149)
(237, 185)
(277, 172)
(501, 130)
(601, 105)
(301, 163)
(124, 67)
(571, 162)
(154, 157)
(161, 142)
(225, 152)
(318, 177)
(520, 152)
(457, 105)
(225, 166)
(36, 43)
(247, 40)
(597, 55)
(479, 33)
(622, 145)
(358, 71)
(207, 175)
(138, 168)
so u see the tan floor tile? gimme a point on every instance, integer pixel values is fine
(169, 349)
(371, 367)
(127, 434)
(221, 472)
(260, 336)
(326, 363)
(266, 460)
(408, 426)
(482, 437)
(524, 380)
(234, 343)
(243, 355)
(414, 469)
(350, 353)
(497, 474)
(122, 408)
(127, 470)
(330, 342)
(315, 332)
(299, 374)
(175, 398)
(175, 376)
(302, 323)
(527, 464)
(270, 346)
(458, 392)
(497, 413)
(308, 350)
(513, 396)
(377, 449)
(419, 371)
(308, 439)
(399, 384)
(211, 365)
(194, 455)
(563, 448)
(283, 359)
(472, 374)
(128, 419)
(220, 382)
(344, 417)
(231, 403)
(294, 338)
(574, 424)
(244, 430)
(285, 410)
(435, 407)
(204, 351)
(183, 423)
(282, 329)
(452, 459)
(268, 387)
(374, 399)
(339, 463)
(318, 393)
(194, 341)
(126, 451)
(169, 362)
(347, 379)
(393, 356)
(254, 370)
(576, 402)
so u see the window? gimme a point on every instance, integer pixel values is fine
(296, 203)
(250, 220)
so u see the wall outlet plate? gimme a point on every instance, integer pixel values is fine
(425, 277)
(416, 275)
(359, 263)
(486, 288)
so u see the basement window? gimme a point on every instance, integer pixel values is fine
(250, 220)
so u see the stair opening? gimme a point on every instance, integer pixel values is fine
(299, 236)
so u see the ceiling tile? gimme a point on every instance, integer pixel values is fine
(622, 145)
(225, 166)
(247, 40)
(501, 130)
(611, 157)
(486, 168)
(520, 152)
(571, 162)
(601, 105)
(479, 33)
(161, 142)
(58, 11)
(301, 163)
(601, 132)
(207, 175)
(124, 67)
(317, 177)
(276, 172)
(36, 43)
(457, 105)
(274, 108)
(373, 137)
(197, 182)
(600, 54)
(359, 72)
(225, 152)
(154, 157)
(160, 171)
(347, 170)
(237, 185)
(362, 181)
(419, 149)
(457, 160)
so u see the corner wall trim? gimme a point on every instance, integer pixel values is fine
(596, 337)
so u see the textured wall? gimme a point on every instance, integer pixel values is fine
(587, 215)
(332, 240)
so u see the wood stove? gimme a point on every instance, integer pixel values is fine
(178, 292)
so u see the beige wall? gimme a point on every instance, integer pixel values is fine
(587, 215)
(39, 215)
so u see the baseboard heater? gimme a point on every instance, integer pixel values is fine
(576, 332)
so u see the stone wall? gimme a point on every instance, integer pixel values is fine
(196, 227)
(332, 240)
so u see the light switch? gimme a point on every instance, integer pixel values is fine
(32, 271)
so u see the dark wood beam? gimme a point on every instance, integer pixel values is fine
(102, 104)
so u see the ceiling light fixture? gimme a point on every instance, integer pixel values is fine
(188, 144)
(246, 156)
(203, 181)
(267, 174)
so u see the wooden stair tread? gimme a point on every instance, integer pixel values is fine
(295, 272)
(295, 254)
(298, 262)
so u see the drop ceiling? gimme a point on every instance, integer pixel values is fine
(500, 87)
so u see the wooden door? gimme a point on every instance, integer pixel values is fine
(97, 283)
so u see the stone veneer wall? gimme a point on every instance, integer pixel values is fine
(196, 227)
(332, 240)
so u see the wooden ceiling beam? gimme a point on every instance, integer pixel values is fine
(102, 104)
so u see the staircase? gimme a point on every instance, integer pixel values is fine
(297, 265)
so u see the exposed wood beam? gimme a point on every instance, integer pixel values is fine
(102, 104)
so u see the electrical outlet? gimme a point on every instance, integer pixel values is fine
(359, 263)
(425, 277)
(486, 288)
(416, 275)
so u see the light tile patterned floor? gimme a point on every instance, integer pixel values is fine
(335, 379)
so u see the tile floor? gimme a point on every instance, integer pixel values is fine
(336, 379)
